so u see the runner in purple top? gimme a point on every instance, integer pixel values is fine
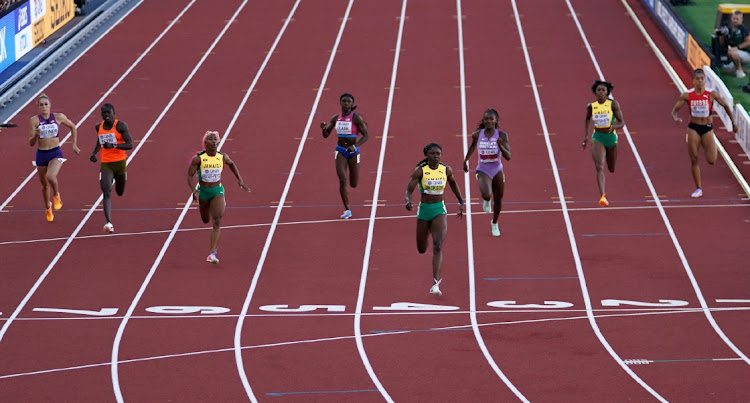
(491, 142)
(349, 126)
(44, 132)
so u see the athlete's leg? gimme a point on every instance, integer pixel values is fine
(598, 153)
(611, 158)
(438, 229)
(42, 172)
(52, 170)
(204, 209)
(217, 206)
(423, 232)
(341, 172)
(120, 183)
(693, 143)
(353, 164)
(709, 147)
(106, 176)
(485, 185)
(498, 189)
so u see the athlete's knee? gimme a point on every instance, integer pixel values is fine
(353, 183)
(342, 182)
(217, 221)
(437, 246)
(599, 166)
(421, 249)
(51, 178)
(694, 159)
(711, 160)
(611, 168)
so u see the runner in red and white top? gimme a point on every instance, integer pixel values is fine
(700, 130)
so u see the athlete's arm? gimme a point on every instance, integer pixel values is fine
(362, 127)
(34, 130)
(716, 97)
(618, 116)
(502, 142)
(327, 127)
(92, 158)
(123, 129)
(73, 130)
(416, 176)
(588, 122)
(233, 167)
(472, 147)
(680, 103)
(192, 169)
(456, 190)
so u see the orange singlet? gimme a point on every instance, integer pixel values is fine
(111, 136)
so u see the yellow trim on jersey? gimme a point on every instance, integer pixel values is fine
(433, 180)
(210, 167)
(602, 114)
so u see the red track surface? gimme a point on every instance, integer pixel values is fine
(312, 258)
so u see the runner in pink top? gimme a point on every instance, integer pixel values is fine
(491, 142)
(349, 126)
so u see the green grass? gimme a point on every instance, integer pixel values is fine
(700, 18)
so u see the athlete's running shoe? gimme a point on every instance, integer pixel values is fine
(109, 228)
(436, 288)
(212, 258)
(698, 193)
(347, 214)
(495, 229)
(603, 202)
(56, 202)
(49, 215)
(486, 206)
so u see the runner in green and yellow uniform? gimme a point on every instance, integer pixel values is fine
(210, 192)
(604, 111)
(432, 176)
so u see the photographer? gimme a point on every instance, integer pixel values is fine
(737, 38)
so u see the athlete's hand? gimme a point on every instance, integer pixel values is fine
(323, 125)
(92, 158)
(734, 127)
(409, 206)
(195, 195)
(460, 210)
(466, 166)
(108, 145)
(585, 141)
(352, 148)
(76, 149)
(243, 186)
(678, 120)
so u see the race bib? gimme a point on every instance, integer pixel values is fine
(434, 186)
(107, 138)
(48, 131)
(211, 175)
(699, 108)
(343, 127)
(602, 120)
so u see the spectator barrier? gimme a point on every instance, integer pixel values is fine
(743, 128)
(714, 83)
(681, 37)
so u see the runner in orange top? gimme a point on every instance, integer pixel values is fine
(113, 138)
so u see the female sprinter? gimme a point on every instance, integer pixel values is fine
(603, 111)
(44, 132)
(210, 192)
(700, 131)
(432, 176)
(348, 126)
(491, 142)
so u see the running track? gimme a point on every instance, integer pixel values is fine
(641, 301)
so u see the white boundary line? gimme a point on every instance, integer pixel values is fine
(147, 280)
(373, 212)
(568, 224)
(663, 213)
(72, 236)
(325, 339)
(396, 217)
(259, 268)
(469, 227)
(106, 94)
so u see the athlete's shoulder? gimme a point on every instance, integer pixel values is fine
(201, 152)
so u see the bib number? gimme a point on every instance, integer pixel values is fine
(48, 131)
(107, 138)
(343, 127)
(602, 120)
(211, 175)
(699, 108)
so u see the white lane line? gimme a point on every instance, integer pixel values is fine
(395, 217)
(373, 212)
(663, 213)
(259, 268)
(72, 236)
(568, 224)
(106, 94)
(469, 227)
(141, 291)
(324, 339)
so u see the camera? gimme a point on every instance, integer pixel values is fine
(722, 31)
